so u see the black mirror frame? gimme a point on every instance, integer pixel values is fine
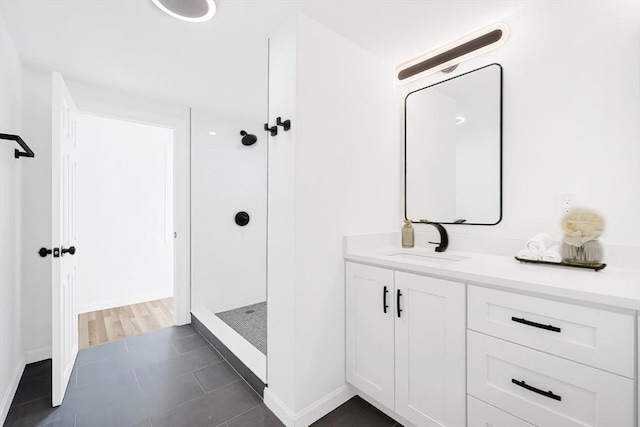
(501, 146)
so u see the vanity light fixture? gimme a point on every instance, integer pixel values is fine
(448, 57)
(188, 10)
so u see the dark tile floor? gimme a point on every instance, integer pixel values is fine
(171, 377)
(355, 413)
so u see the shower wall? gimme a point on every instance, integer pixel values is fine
(228, 262)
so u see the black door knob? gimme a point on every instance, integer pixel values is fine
(71, 250)
(43, 252)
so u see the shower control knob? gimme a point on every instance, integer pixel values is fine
(242, 218)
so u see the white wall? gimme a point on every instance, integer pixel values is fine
(11, 348)
(571, 108)
(228, 262)
(36, 202)
(36, 216)
(335, 173)
(125, 211)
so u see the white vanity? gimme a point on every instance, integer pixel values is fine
(457, 339)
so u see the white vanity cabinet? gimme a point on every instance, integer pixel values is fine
(549, 363)
(487, 338)
(406, 343)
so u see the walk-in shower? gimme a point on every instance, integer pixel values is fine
(229, 234)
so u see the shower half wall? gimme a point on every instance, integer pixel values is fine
(228, 261)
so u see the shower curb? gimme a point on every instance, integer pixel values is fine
(254, 382)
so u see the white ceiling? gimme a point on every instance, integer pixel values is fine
(220, 65)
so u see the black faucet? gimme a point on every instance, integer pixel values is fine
(444, 237)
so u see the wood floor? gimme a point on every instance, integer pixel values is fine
(99, 327)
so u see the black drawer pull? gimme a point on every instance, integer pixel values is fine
(536, 325)
(548, 394)
(385, 306)
(398, 302)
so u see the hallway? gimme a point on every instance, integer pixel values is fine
(112, 324)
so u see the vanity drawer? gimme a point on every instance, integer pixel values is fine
(480, 414)
(595, 337)
(546, 390)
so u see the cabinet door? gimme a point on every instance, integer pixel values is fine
(370, 350)
(430, 351)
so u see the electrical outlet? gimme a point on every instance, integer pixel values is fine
(565, 202)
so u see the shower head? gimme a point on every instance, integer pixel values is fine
(247, 138)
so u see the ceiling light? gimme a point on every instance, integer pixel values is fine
(212, 133)
(188, 10)
(460, 119)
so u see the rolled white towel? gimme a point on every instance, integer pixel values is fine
(539, 243)
(526, 254)
(553, 254)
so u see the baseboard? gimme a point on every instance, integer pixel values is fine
(278, 408)
(5, 404)
(37, 355)
(311, 413)
(322, 407)
(137, 299)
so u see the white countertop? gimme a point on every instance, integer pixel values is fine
(613, 287)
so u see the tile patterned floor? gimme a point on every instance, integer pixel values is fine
(356, 413)
(171, 377)
(250, 322)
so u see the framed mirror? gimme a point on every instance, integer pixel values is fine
(453, 150)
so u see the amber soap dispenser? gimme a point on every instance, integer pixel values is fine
(408, 237)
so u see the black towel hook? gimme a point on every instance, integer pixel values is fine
(286, 125)
(273, 130)
(17, 153)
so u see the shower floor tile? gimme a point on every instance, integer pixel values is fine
(250, 322)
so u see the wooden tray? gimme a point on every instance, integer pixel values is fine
(596, 267)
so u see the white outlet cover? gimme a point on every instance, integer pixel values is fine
(565, 202)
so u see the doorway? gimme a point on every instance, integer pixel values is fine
(125, 211)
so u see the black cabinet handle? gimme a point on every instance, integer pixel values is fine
(536, 325)
(71, 250)
(398, 302)
(385, 306)
(548, 394)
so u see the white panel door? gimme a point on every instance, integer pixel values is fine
(430, 350)
(370, 317)
(64, 233)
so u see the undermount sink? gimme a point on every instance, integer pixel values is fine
(427, 259)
